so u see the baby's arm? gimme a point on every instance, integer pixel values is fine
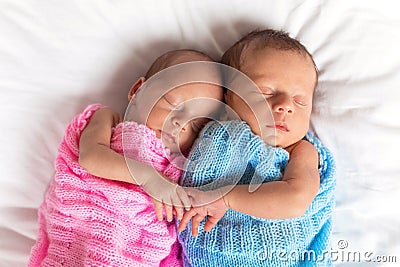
(96, 156)
(287, 198)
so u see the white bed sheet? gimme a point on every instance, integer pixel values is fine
(56, 57)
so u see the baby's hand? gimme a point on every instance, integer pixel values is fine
(164, 192)
(210, 204)
(179, 199)
(168, 195)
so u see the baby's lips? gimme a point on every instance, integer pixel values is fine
(282, 126)
(168, 137)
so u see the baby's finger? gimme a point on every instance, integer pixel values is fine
(184, 198)
(178, 212)
(158, 206)
(195, 224)
(177, 204)
(186, 219)
(168, 211)
(210, 223)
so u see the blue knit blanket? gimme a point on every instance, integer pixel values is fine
(229, 153)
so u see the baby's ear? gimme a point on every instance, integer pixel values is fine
(135, 87)
(227, 96)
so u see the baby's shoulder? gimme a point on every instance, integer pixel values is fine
(303, 151)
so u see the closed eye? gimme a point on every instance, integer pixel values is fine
(170, 101)
(267, 92)
(268, 95)
(300, 101)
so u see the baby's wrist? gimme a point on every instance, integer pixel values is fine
(226, 201)
(224, 194)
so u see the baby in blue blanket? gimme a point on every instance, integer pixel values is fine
(286, 219)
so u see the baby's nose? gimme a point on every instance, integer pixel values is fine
(176, 122)
(179, 123)
(283, 104)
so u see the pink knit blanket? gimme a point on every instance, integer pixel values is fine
(85, 220)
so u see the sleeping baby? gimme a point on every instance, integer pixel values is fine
(118, 220)
(285, 219)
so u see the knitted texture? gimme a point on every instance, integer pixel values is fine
(229, 153)
(85, 220)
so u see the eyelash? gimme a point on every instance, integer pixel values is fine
(173, 105)
(299, 102)
(268, 95)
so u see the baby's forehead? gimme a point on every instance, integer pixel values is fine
(187, 80)
(196, 70)
(196, 90)
(196, 74)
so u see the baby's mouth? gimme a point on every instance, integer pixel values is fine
(168, 138)
(282, 126)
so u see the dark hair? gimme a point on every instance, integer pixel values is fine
(260, 39)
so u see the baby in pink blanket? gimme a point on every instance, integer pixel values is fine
(117, 220)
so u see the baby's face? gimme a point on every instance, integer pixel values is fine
(287, 80)
(179, 115)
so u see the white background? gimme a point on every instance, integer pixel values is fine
(56, 57)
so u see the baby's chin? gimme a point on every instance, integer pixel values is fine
(276, 140)
(270, 136)
(270, 140)
(174, 148)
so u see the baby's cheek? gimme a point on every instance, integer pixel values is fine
(186, 139)
(158, 133)
(254, 126)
